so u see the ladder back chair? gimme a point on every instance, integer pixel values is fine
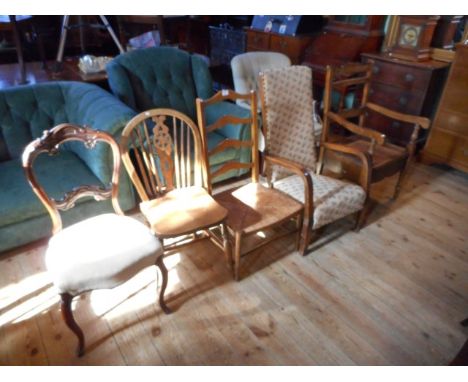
(162, 152)
(252, 207)
(388, 155)
(100, 252)
(288, 125)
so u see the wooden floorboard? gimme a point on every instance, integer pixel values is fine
(392, 294)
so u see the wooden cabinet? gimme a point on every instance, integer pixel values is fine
(448, 140)
(408, 87)
(291, 46)
(225, 44)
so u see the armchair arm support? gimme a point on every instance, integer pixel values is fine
(306, 177)
(364, 157)
(415, 119)
(379, 138)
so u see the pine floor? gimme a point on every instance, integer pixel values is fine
(393, 294)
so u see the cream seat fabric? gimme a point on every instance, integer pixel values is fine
(247, 66)
(100, 252)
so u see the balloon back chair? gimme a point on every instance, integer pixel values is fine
(99, 252)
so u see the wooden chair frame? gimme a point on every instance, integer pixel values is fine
(251, 99)
(176, 172)
(349, 76)
(50, 143)
(298, 169)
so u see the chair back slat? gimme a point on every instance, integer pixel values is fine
(165, 155)
(50, 143)
(223, 121)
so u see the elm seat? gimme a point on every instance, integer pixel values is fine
(167, 77)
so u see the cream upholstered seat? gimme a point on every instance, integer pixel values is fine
(246, 67)
(99, 252)
(286, 96)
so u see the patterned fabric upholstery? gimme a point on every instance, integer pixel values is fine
(333, 198)
(287, 108)
(288, 119)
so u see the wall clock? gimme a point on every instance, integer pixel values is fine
(413, 41)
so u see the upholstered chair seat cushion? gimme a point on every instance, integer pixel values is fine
(333, 198)
(100, 252)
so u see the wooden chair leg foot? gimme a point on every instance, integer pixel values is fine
(164, 274)
(67, 314)
(305, 237)
(237, 246)
(227, 245)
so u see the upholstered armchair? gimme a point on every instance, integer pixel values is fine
(25, 112)
(247, 66)
(166, 77)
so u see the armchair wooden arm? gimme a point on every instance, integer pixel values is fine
(409, 118)
(365, 158)
(304, 174)
(375, 136)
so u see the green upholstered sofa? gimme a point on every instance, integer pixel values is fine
(166, 77)
(25, 111)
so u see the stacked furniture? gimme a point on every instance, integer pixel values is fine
(25, 112)
(166, 77)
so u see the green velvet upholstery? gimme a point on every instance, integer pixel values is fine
(166, 77)
(25, 112)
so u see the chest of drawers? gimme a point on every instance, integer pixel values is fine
(291, 46)
(408, 87)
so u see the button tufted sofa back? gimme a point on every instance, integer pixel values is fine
(162, 77)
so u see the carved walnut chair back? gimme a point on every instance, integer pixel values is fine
(161, 150)
(50, 143)
(99, 252)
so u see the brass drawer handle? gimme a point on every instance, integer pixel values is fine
(396, 124)
(375, 69)
(403, 100)
(409, 77)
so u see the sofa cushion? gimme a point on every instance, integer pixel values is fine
(56, 174)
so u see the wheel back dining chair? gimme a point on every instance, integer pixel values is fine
(252, 207)
(389, 154)
(161, 150)
(100, 252)
(286, 96)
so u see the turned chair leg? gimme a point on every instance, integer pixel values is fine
(67, 314)
(164, 274)
(237, 245)
(305, 237)
(226, 245)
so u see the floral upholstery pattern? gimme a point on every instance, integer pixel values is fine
(288, 120)
(333, 198)
(288, 110)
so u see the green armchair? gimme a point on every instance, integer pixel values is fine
(25, 112)
(166, 77)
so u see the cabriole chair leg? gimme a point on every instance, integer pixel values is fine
(67, 314)
(164, 274)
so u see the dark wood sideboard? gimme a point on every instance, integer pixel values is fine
(405, 86)
(448, 139)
